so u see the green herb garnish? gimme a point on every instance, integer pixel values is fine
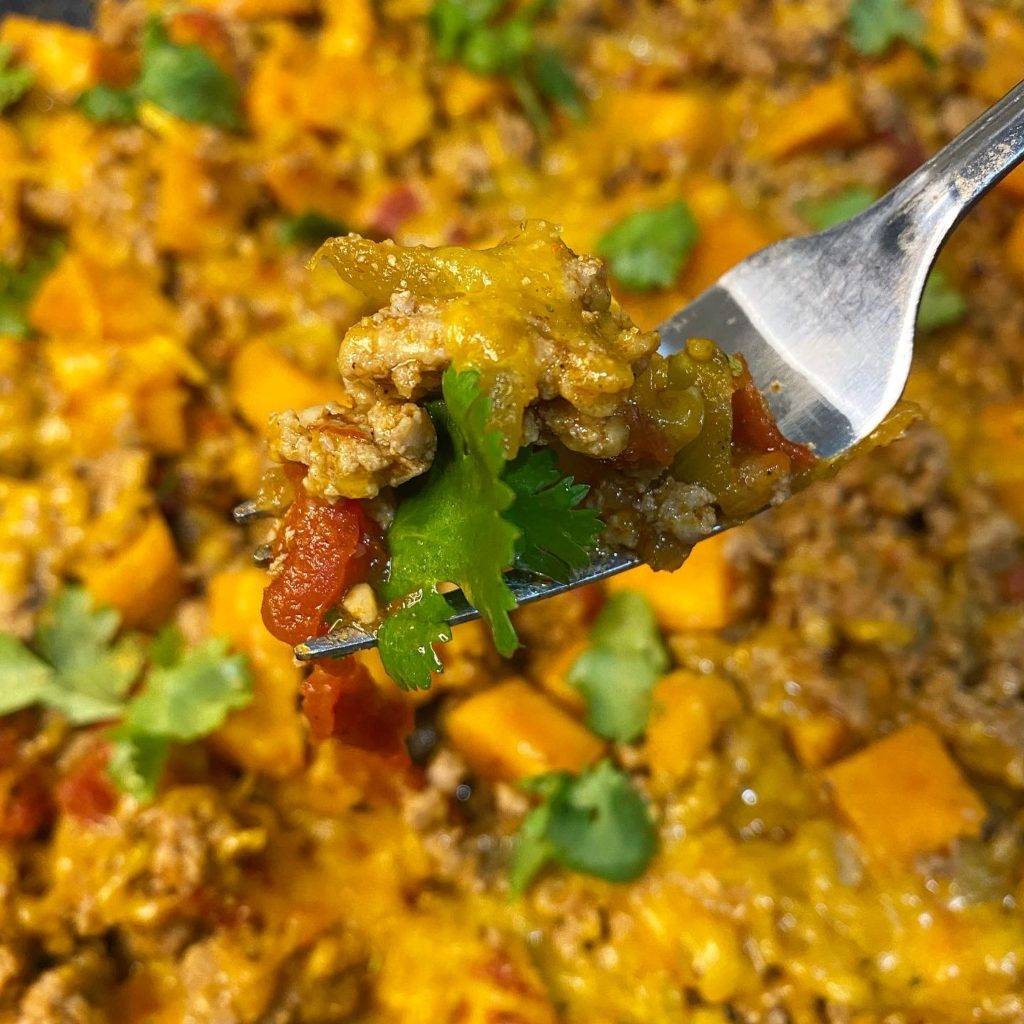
(109, 105)
(14, 82)
(875, 25)
(596, 824)
(617, 672)
(555, 534)
(647, 249)
(451, 530)
(78, 665)
(465, 524)
(826, 213)
(181, 701)
(472, 33)
(181, 78)
(310, 229)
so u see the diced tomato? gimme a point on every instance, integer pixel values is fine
(27, 807)
(340, 699)
(327, 548)
(86, 792)
(1012, 581)
(394, 209)
(754, 426)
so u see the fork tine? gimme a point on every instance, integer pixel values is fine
(249, 512)
(525, 587)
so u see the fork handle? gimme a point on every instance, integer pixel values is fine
(935, 198)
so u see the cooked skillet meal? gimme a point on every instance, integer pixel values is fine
(392, 270)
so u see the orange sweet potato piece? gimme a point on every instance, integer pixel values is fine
(687, 712)
(697, 595)
(263, 382)
(267, 735)
(904, 795)
(511, 732)
(825, 115)
(142, 581)
(64, 59)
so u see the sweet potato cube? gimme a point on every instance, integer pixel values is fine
(511, 732)
(267, 735)
(551, 671)
(64, 59)
(696, 596)
(999, 453)
(904, 795)
(263, 382)
(825, 115)
(687, 712)
(143, 581)
(818, 738)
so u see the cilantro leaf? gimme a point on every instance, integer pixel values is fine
(309, 228)
(618, 670)
(77, 642)
(451, 530)
(826, 213)
(108, 105)
(647, 249)
(180, 702)
(596, 824)
(24, 678)
(555, 536)
(18, 286)
(874, 25)
(186, 81)
(941, 303)
(14, 82)
(469, 31)
(556, 82)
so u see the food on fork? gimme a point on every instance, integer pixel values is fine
(499, 409)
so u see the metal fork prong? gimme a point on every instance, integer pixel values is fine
(249, 512)
(525, 587)
(263, 555)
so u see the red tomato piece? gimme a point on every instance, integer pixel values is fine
(340, 699)
(754, 426)
(86, 792)
(327, 548)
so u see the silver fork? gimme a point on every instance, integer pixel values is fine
(825, 322)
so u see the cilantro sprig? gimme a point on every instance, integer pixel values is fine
(181, 78)
(153, 694)
(618, 670)
(472, 33)
(942, 303)
(310, 228)
(595, 823)
(14, 81)
(466, 524)
(875, 25)
(647, 249)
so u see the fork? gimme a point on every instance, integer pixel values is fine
(825, 322)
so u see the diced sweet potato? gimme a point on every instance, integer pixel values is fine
(825, 115)
(161, 415)
(695, 596)
(266, 736)
(1004, 55)
(512, 732)
(998, 453)
(818, 738)
(263, 382)
(64, 59)
(656, 117)
(142, 581)
(904, 795)
(687, 712)
(551, 670)
(79, 299)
